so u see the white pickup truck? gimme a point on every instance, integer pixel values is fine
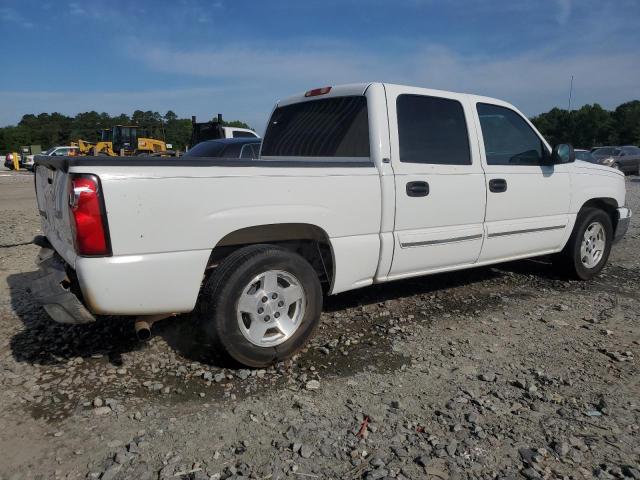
(355, 185)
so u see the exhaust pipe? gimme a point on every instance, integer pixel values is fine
(144, 323)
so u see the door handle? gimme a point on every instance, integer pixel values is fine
(498, 185)
(417, 189)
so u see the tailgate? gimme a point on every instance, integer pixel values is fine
(53, 204)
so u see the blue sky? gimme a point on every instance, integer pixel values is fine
(239, 57)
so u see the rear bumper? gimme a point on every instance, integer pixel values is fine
(53, 289)
(624, 218)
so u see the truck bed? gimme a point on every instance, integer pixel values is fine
(164, 217)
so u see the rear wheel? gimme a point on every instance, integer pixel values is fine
(588, 248)
(261, 304)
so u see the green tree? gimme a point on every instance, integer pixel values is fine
(626, 118)
(234, 123)
(593, 126)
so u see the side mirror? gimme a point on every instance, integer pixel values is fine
(563, 153)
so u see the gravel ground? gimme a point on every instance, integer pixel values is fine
(504, 372)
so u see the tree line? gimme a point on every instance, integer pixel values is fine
(591, 125)
(52, 129)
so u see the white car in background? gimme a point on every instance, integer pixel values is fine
(63, 151)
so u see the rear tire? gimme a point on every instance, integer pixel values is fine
(261, 304)
(588, 248)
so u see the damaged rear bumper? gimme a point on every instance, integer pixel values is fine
(53, 288)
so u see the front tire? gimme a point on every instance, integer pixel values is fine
(589, 246)
(261, 304)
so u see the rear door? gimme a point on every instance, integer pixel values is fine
(439, 181)
(527, 201)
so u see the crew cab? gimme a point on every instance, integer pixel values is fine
(355, 185)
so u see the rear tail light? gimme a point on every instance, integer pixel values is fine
(89, 219)
(317, 91)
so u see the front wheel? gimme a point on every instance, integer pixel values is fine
(261, 304)
(588, 248)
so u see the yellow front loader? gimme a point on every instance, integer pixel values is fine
(122, 140)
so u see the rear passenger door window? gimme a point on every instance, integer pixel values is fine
(508, 139)
(432, 130)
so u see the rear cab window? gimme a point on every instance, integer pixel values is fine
(329, 129)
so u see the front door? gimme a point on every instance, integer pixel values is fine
(439, 181)
(527, 201)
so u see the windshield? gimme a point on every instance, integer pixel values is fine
(601, 152)
(606, 152)
(584, 155)
(48, 152)
(331, 127)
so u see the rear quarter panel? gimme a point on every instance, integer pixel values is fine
(175, 216)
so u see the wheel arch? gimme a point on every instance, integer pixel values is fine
(607, 204)
(308, 240)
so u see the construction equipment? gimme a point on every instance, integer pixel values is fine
(122, 140)
(215, 129)
(90, 148)
(205, 130)
(132, 140)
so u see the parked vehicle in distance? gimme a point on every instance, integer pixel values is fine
(355, 185)
(27, 151)
(61, 151)
(587, 156)
(9, 160)
(227, 148)
(626, 158)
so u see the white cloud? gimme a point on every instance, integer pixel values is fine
(535, 80)
(76, 9)
(11, 16)
(245, 83)
(564, 11)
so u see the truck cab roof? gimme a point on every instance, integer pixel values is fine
(361, 88)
